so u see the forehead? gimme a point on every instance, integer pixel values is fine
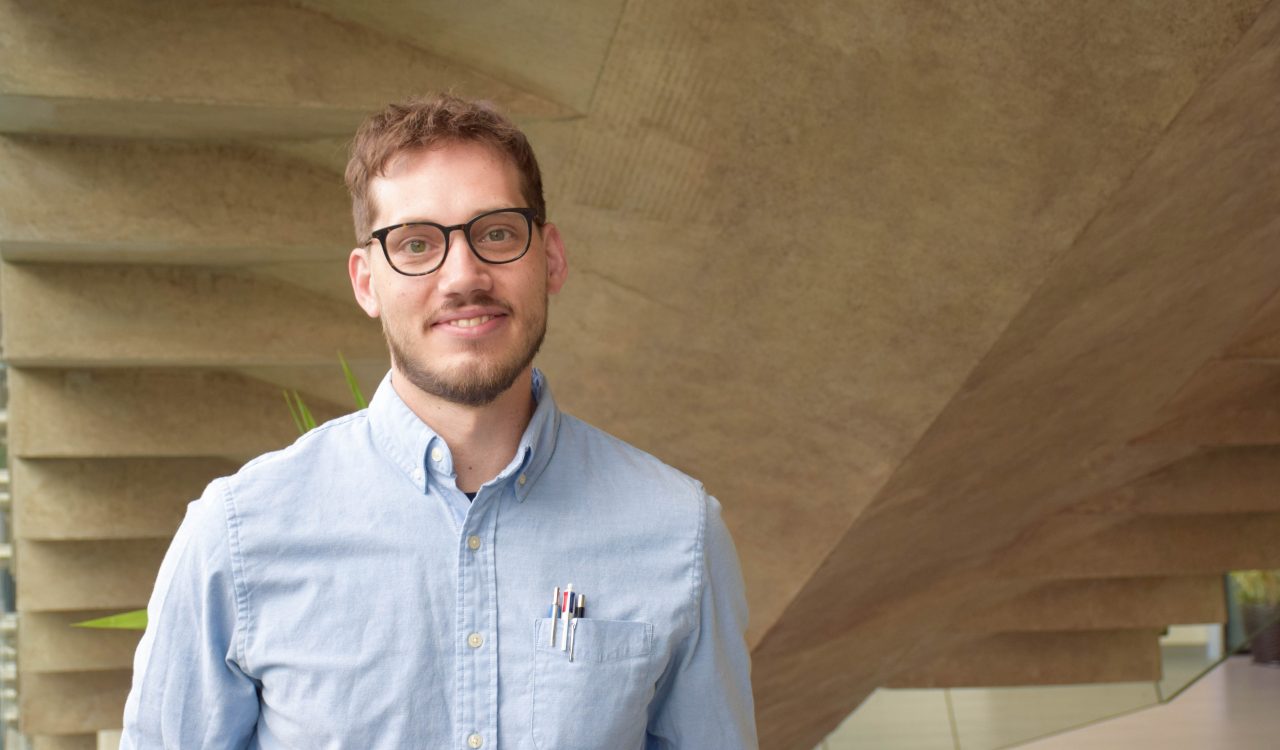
(448, 183)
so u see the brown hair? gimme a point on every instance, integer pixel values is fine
(427, 122)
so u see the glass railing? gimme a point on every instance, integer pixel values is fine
(995, 718)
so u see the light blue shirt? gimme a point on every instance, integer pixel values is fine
(343, 593)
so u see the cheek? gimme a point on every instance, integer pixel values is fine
(532, 284)
(405, 303)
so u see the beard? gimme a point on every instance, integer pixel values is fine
(475, 384)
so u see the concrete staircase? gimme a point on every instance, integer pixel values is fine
(968, 315)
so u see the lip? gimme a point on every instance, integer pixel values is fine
(463, 313)
(443, 323)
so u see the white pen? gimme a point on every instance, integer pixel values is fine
(573, 637)
(568, 615)
(555, 615)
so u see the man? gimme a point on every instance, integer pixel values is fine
(461, 565)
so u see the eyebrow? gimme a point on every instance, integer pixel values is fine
(469, 218)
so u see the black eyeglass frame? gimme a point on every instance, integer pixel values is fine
(530, 216)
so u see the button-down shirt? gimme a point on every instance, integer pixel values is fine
(344, 593)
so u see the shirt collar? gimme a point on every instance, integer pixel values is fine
(422, 454)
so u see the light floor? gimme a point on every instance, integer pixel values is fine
(1234, 707)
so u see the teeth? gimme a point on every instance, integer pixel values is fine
(471, 322)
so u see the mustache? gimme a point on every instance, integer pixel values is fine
(478, 299)
(474, 300)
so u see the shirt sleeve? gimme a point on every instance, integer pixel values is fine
(188, 687)
(704, 699)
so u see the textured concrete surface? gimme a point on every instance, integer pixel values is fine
(553, 49)
(1261, 340)
(1018, 659)
(1102, 604)
(1168, 545)
(107, 498)
(76, 575)
(258, 58)
(163, 202)
(903, 283)
(64, 742)
(173, 316)
(72, 703)
(1227, 402)
(1240, 479)
(154, 412)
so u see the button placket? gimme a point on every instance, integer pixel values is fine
(470, 603)
(476, 622)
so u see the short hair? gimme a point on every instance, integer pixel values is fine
(427, 122)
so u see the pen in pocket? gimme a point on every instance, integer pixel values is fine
(569, 602)
(555, 614)
(579, 611)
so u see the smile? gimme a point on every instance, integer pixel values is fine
(471, 322)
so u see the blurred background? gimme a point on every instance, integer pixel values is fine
(966, 312)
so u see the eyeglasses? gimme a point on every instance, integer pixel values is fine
(420, 247)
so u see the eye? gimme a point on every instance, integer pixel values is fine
(497, 234)
(417, 243)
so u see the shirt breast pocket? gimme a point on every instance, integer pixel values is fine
(601, 698)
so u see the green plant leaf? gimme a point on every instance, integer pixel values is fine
(135, 620)
(1258, 586)
(302, 417)
(308, 420)
(293, 412)
(352, 384)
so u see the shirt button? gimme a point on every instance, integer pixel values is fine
(473, 542)
(475, 740)
(437, 455)
(522, 480)
(475, 640)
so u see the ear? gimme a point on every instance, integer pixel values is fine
(557, 263)
(362, 281)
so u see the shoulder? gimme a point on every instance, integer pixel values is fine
(335, 436)
(629, 485)
(645, 478)
(333, 449)
(591, 448)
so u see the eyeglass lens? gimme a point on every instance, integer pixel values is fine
(497, 238)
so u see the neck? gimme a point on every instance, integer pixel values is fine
(482, 439)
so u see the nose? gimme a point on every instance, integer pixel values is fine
(462, 272)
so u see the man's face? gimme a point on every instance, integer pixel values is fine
(467, 331)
